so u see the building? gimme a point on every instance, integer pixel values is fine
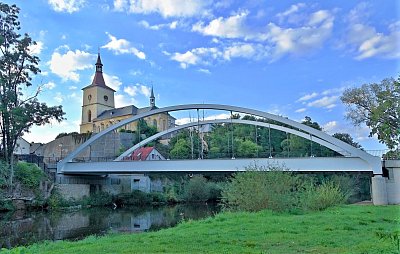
(99, 111)
(145, 154)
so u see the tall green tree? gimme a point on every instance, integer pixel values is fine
(378, 106)
(18, 112)
(345, 137)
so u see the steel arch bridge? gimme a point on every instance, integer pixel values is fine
(353, 159)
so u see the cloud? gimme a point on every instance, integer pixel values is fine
(131, 90)
(325, 102)
(69, 6)
(166, 8)
(204, 71)
(136, 89)
(330, 127)
(291, 15)
(145, 90)
(122, 100)
(72, 87)
(112, 81)
(36, 49)
(66, 65)
(122, 46)
(308, 97)
(365, 41)
(59, 97)
(231, 27)
(49, 85)
(47, 133)
(300, 110)
(146, 25)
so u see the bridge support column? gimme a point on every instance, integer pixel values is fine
(379, 190)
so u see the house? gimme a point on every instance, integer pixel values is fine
(145, 154)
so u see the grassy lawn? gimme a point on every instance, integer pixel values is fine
(346, 229)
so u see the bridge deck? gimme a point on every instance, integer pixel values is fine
(215, 165)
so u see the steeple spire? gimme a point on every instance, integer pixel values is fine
(152, 99)
(99, 65)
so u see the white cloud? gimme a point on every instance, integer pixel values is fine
(231, 27)
(122, 46)
(365, 41)
(120, 5)
(69, 6)
(204, 71)
(166, 8)
(145, 90)
(131, 90)
(146, 25)
(325, 102)
(301, 110)
(72, 87)
(49, 85)
(47, 133)
(291, 15)
(36, 49)
(59, 97)
(122, 100)
(308, 97)
(66, 65)
(112, 81)
(330, 127)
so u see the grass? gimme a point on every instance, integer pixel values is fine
(345, 229)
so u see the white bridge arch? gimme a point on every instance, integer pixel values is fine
(361, 161)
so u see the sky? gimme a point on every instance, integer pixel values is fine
(290, 58)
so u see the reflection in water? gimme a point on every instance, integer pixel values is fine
(21, 228)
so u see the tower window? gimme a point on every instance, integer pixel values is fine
(105, 97)
(89, 116)
(155, 123)
(89, 97)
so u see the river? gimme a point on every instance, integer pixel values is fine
(24, 228)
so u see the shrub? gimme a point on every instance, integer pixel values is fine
(4, 174)
(258, 189)
(6, 205)
(322, 196)
(29, 175)
(136, 197)
(197, 189)
(98, 199)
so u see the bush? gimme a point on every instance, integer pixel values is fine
(29, 175)
(4, 174)
(136, 197)
(320, 197)
(258, 189)
(6, 205)
(98, 199)
(196, 189)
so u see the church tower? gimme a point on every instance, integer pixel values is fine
(152, 99)
(97, 97)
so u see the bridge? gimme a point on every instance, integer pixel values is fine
(353, 159)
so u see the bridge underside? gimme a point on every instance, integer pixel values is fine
(306, 164)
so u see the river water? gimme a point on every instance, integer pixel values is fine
(24, 228)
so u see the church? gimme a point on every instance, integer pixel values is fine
(99, 111)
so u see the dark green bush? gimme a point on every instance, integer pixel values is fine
(98, 199)
(262, 188)
(196, 189)
(136, 197)
(29, 174)
(6, 205)
(158, 197)
(322, 196)
(4, 174)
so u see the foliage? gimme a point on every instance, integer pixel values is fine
(345, 229)
(180, 150)
(393, 237)
(136, 197)
(18, 112)
(4, 174)
(98, 199)
(316, 198)
(345, 137)
(248, 149)
(6, 205)
(378, 106)
(262, 188)
(197, 189)
(29, 174)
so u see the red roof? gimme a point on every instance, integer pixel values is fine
(141, 154)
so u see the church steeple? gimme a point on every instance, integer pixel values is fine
(152, 99)
(99, 65)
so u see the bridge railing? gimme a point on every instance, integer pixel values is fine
(386, 154)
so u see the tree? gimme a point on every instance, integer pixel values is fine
(18, 112)
(378, 106)
(345, 137)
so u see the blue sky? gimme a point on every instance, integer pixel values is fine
(292, 58)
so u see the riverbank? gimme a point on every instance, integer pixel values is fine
(345, 229)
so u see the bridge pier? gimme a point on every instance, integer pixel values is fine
(386, 190)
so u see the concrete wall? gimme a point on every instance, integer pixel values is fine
(393, 181)
(74, 191)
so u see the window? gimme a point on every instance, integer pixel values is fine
(164, 125)
(89, 116)
(155, 123)
(105, 97)
(89, 97)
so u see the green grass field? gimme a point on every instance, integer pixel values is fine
(345, 229)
